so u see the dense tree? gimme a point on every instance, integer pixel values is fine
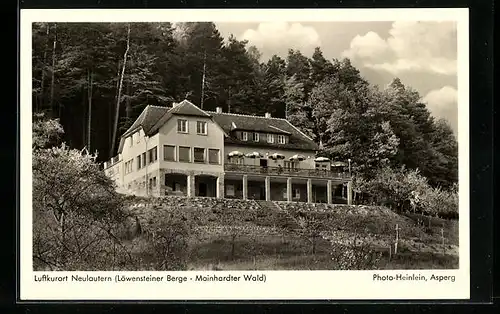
(81, 77)
(321, 68)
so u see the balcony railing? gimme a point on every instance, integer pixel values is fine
(285, 171)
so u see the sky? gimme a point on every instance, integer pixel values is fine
(422, 54)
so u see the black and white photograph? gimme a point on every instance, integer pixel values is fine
(262, 145)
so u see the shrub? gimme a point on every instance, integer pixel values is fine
(76, 212)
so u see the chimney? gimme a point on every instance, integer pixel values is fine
(218, 109)
(267, 115)
(174, 104)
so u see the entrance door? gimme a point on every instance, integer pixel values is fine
(202, 189)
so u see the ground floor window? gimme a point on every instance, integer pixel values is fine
(230, 190)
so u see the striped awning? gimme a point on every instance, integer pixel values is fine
(253, 155)
(277, 156)
(297, 157)
(321, 159)
(236, 153)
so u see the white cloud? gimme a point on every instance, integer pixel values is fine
(442, 103)
(411, 46)
(277, 37)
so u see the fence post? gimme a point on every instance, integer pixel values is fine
(442, 239)
(397, 240)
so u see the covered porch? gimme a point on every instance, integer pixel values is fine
(291, 189)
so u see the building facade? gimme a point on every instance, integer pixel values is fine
(187, 151)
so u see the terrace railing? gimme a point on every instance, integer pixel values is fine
(297, 172)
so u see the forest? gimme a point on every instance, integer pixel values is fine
(96, 78)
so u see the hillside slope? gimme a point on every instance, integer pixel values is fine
(236, 234)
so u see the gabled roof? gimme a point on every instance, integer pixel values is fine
(154, 117)
(231, 122)
(147, 119)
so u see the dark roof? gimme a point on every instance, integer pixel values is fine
(153, 118)
(147, 119)
(187, 108)
(231, 122)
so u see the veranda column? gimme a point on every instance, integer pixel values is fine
(268, 188)
(309, 191)
(245, 187)
(289, 189)
(329, 191)
(220, 186)
(349, 193)
(191, 189)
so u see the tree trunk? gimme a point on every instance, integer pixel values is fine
(128, 105)
(83, 115)
(111, 107)
(89, 101)
(117, 109)
(53, 68)
(203, 80)
(41, 96)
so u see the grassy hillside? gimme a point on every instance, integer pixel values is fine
(244, 235)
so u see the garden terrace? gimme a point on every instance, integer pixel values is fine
(282, 171)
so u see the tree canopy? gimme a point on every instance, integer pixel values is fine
(87, 74)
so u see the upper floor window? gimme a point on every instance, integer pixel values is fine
(255, 137)
(153, 155)
(143, 159)
(199, 154)
(182, 126)
(213, 156)
(131, 141)
(201, 127)
(184, 154)
(138, 162)
(281, 139)
(137, 137)
(169, 152)
(128, 166)
(244, 136)
(270, 138)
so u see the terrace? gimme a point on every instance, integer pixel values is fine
(289, 172)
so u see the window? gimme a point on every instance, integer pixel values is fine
(152, 155)
(213, 156)
(230, 190)
(199, 154)
(201, 127)
(143, 164)
(184, 154)
(152, 182)
(281, 139)
(244, 136)
(270, 138)
(138, 162)
(255, 137)
(290, 165)
(182, 126)
(169, 152)
(138, 137)
(131, 141)
(128, 166)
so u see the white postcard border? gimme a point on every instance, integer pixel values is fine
(346, 285)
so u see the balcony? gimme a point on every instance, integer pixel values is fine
(287, 172)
